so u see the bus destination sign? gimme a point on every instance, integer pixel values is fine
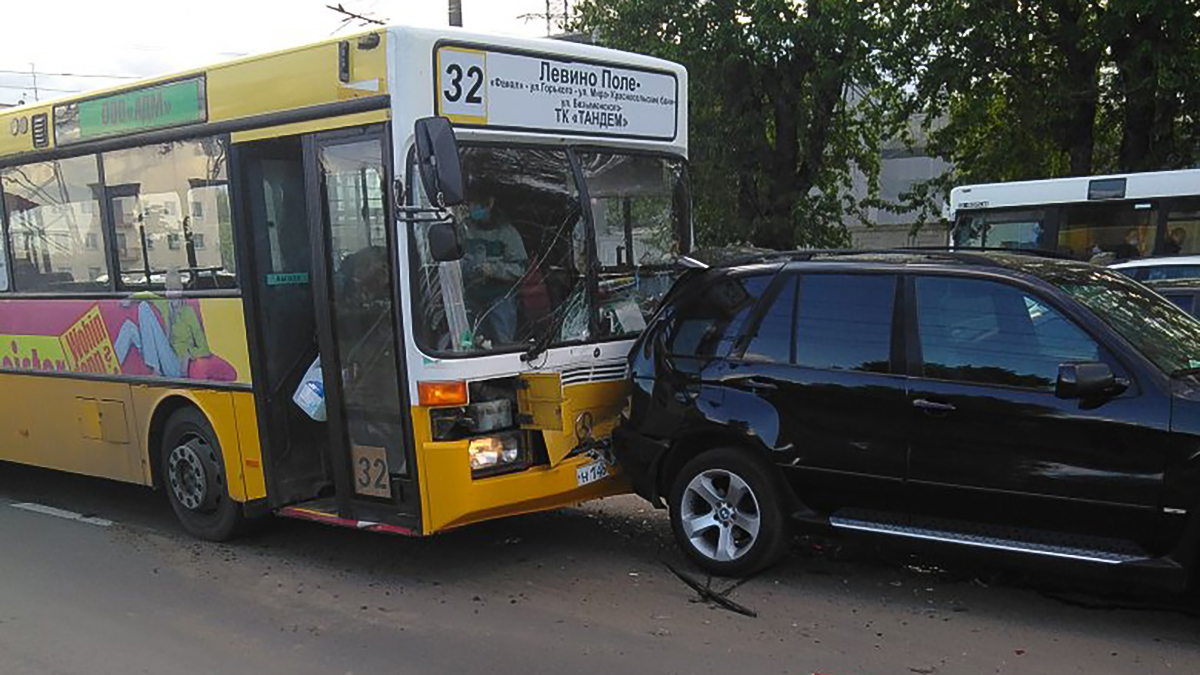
(155, 107)
(549, 94)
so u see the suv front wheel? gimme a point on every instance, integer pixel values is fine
(727, 513)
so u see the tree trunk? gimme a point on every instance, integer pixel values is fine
(1077, 128)
(1137, 80)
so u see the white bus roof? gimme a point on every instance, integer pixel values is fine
(1148, 185)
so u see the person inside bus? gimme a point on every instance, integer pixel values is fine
(1131, 247)
(1174, 243)
(494, 261)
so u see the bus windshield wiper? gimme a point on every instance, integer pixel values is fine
(1185, 372)
(542, 343)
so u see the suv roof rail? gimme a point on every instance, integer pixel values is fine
(1035, 252)
(726, 258)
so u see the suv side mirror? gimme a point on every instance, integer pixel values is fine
(1087, 381)
(445, 245)
(438, 162)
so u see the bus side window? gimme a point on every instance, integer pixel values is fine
(1183, 227)
(54, 226)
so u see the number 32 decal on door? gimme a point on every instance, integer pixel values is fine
(370, 470)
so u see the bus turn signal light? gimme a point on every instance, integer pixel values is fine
(442, 393)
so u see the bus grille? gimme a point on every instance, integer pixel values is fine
(597, 372)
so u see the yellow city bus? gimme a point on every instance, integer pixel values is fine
(230, 283)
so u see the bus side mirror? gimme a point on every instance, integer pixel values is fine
(438, 162)
(444, 243)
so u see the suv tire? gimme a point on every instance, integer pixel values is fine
(727, 513)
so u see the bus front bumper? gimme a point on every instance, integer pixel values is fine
(454, 498)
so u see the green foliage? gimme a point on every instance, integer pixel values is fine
(1021, 89)
(786, 102)
(790, 98)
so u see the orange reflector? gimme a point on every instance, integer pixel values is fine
(442, 393)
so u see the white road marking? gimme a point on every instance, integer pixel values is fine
(61, 513)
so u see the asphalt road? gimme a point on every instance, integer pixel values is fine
(574, 591)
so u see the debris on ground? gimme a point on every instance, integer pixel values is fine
(709, 595)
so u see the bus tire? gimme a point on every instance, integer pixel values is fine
(193, 476)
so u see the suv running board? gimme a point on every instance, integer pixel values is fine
(1019, 540)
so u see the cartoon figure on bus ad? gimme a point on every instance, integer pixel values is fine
(157, 334)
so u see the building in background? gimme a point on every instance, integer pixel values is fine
(900, 167)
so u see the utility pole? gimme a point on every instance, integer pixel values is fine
(456, 13)
(33, 72)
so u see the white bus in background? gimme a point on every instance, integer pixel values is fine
(1118, 217)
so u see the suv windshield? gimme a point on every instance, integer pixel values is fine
(524, 278)
(1157, 328)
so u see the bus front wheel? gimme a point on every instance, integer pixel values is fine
(193, 475)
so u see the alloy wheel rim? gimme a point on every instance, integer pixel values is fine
(720, 515)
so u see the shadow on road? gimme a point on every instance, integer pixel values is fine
(595, 544)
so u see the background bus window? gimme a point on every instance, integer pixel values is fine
(1001, 229)
(1108, 232)
(1183, 228)
(170, 205)
(54, 226)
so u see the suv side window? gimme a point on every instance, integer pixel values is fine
(841, 322)
(844, 322)
(974, 330)
(771, 341)
(708, 323)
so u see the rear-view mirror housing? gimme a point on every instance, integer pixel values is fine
(438, 162)
(1087, 381)
(445, 244)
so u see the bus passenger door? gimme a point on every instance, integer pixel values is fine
(355, 264)
(281, 315)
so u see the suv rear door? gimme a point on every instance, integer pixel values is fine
(817, 380)
(991, 441)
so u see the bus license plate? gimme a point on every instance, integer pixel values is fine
(590, 473)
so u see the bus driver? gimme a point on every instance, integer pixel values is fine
(494, 261)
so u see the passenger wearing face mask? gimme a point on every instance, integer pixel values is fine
(493, 263)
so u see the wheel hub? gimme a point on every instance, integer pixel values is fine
(188, 476)
(724, 514)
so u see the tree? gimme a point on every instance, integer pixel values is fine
(1023, 89)
(787, 99)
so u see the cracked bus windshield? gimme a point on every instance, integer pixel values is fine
(524, 277)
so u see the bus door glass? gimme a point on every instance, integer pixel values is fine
(283, 324)
(358, 343)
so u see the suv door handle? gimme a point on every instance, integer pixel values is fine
(933, 406)
(761, 385)
(755, 384)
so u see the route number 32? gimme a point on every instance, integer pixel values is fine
(455, 72)
(370, 470)
(463, 84)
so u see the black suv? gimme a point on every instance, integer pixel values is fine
(1041, 407)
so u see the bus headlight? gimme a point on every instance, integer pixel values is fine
(501, 453)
